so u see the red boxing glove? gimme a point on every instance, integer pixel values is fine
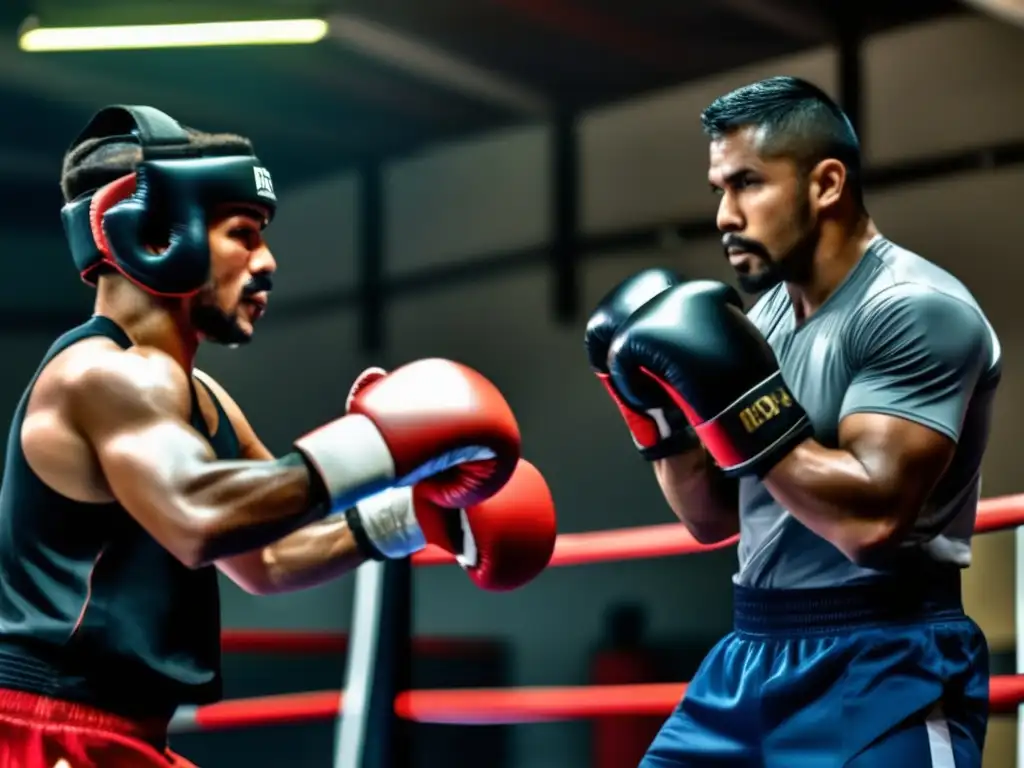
(434, 423)
(502, 543)
(363, 380)
(507, 540)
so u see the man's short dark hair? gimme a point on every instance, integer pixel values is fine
(799, 120)
(96, 162)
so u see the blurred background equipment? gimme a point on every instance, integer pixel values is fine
(624, 657)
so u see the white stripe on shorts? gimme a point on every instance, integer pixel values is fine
(940, 743)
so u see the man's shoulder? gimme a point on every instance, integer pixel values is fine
(98, 370)
(103, 360)
(921, 302)
(903, 275)
(933, 317)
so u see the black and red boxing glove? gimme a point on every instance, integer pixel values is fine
(697, 344)
(658, 427)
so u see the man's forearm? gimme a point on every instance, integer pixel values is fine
(704, 499)
(311, 555)
(242, 506)
(837, 496)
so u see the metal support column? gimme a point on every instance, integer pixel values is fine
(371, 256)
(369, 734)
(850, 37)
(565, 240)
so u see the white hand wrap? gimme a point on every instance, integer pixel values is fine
(351, 458)
(389, 521)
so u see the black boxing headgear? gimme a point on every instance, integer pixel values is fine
(166, 200)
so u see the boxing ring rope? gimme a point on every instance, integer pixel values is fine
(508, 706)
(488, 706)
(650, 541)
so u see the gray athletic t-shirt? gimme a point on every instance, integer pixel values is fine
(899, 336)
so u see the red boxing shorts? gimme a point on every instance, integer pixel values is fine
(39, 732)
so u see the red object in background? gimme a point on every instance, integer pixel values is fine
(622, 741)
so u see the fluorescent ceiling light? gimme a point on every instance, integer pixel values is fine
(282, 32)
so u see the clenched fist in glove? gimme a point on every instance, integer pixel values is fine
(434, 423)
(695, 342)
(658, 427)
(502, 543)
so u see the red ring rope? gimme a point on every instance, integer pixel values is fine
(525, 705)
(264, 710)
(642, 542)
(650, 541)
(490, 706)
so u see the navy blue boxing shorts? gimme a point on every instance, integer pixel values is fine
(890, 674)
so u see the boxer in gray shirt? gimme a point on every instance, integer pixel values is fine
(839, 426)
(898, 337)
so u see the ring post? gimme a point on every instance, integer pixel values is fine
(369, 735)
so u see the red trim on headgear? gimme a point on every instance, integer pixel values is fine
(105, 198)
(102, 201)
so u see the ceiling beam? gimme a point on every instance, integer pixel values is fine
(601, 29)
(380, 90)
(613, 32)
(806, 25)
(435, 65)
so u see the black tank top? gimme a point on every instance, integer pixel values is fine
(92, 608)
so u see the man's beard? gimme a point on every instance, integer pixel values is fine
(759, 282)
(792, 266)
(218, 326)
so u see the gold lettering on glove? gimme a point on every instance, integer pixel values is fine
(764, 409)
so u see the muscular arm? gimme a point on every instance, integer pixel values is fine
(867, 494)
(918, 357)
(704, 500)
(132, 408)
(317, 552)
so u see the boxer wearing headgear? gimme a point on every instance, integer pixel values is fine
(839, 426)
(131, 477)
